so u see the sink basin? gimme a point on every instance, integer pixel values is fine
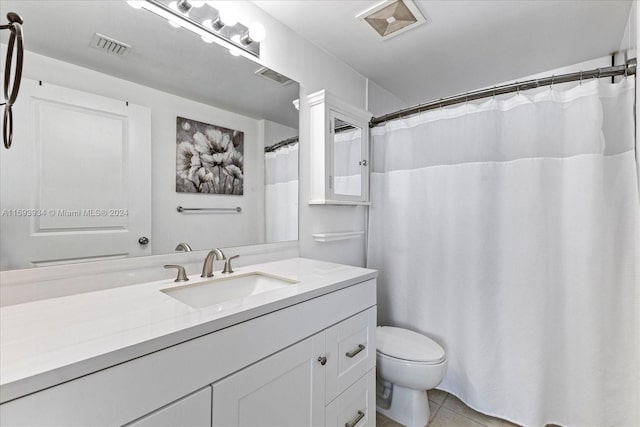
(216, 291)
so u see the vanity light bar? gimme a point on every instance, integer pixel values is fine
(208, 22)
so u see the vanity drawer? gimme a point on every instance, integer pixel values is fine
(351, 351)
(356, 406)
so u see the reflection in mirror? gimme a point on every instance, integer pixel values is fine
(347, 152)
(105, 140)
(281, 190)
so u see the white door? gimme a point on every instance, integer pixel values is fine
(76, 184)
(283, 390)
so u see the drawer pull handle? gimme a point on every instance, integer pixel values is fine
(356, 420)
(356, 351)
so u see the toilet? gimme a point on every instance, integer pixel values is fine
(408, 364)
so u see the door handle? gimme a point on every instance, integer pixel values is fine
(143, 240)
(322, 360)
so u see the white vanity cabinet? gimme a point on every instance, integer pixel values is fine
(316, 382)
(268, 370)
(339, 151)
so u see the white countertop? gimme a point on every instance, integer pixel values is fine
(44, 343)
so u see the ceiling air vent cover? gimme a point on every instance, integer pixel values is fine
(268, 73)
(110, 45)
(393, 17)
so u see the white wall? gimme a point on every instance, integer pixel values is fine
(201, 231)
(380, 101)
(288, 53)
(630, 36)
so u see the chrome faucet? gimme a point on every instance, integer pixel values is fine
(183, 247)
(207, 267)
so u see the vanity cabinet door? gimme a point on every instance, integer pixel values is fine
(191, 411)
(284, 390)
(351, 351)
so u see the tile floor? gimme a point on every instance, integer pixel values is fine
(449, 411)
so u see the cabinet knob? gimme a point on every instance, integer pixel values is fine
(322, 360)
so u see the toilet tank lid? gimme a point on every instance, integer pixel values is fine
(408, 345)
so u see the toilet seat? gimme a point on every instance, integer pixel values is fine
(405, 345)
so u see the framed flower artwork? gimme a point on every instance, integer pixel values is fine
(209, 158)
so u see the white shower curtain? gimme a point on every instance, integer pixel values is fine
(281, 194)
(509, 232)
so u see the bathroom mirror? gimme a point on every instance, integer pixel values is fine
(348, 158)
(132, 137)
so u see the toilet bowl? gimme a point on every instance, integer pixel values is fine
(408, 364)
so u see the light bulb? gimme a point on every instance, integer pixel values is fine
(207, 23)
(257, 33)
(135, 4)
(235, 51)
(182, 6)
(228, 17)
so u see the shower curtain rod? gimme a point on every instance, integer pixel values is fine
(281, 144)
(619, 70)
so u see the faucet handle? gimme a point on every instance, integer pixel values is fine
(227, 264)
(182, 275)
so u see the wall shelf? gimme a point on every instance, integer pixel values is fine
(332, 237)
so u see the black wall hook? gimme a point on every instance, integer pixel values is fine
(11, 90)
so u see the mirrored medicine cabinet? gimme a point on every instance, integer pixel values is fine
(340, 151)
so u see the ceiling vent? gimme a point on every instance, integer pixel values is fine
(268, 73)
(392, 17)
(110, 45)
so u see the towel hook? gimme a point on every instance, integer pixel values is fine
(11, 92)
